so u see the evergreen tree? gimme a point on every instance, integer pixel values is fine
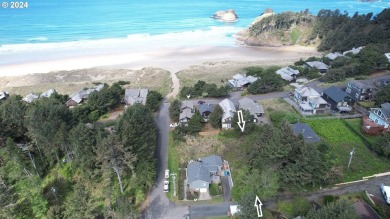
(215, 118)
(153, 100)
(12, 118)
(174, 110)
(340, 209)
(195, 124)
(383, 95)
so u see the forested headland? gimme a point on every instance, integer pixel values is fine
(330, 30)
(57, 162)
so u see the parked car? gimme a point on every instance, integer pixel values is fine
(386, 193)
(166, 185)
(166, 174)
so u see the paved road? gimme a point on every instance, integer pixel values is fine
(159, 204)
(371, 186)
(211, 210)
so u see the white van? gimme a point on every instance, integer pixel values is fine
(386, 193)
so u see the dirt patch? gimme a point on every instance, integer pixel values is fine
(196, 147)
(67, 82)
(276, 104)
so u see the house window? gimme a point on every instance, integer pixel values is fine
(376, 121)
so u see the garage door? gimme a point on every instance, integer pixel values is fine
(203, 190)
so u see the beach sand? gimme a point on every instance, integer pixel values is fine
(172, 59)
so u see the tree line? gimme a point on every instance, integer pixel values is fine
(57, 162)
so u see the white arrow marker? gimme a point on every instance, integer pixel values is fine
(241, 122)
(258, 205)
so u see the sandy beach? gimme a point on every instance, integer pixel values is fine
(67, 74)
(171, 59)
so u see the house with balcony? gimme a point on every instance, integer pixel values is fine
(338, 100)
(360, 90)
(229, 109)
(378, 121)
(310, 101)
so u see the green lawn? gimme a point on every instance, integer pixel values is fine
(341, 141)
(173, 166)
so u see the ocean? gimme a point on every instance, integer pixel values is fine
(103, 26)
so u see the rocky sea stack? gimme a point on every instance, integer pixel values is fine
(226, 16)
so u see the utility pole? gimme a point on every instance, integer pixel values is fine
(350, 158)
(174, 184)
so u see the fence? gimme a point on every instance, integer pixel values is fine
(216, 132)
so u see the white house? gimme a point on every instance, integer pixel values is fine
(333, 56)
(229, 109)
(310, 101)
(354, 51)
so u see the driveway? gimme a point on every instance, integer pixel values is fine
(159, 205)
(226, 188)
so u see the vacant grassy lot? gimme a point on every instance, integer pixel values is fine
(67, 82)
(341, 141)
(278, 109)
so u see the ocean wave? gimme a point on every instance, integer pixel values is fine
(37, 39)
(215, 36)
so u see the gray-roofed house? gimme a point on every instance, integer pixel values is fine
(322, 67)
(187, 110)
(3, 95)
(255, 109)
(333, 56)
(338, 99)
(309, 136)
(78, 97)
(205, 109)
(239, 81)
(202, 172)
(360, 90)
(229, 109)
(136, 96)
(310, 101)
(288, 73)
(378, 120)
(30, 97)
(48, 93)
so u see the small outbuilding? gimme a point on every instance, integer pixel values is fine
(309, 136)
